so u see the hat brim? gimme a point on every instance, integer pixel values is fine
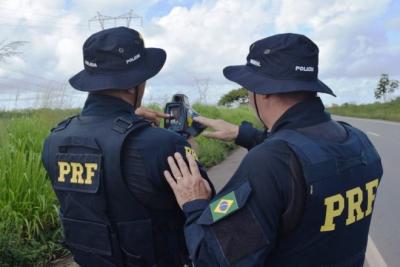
(260, 84)
(151, 63)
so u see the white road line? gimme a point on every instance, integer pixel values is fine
(372, 133)
(373, 257)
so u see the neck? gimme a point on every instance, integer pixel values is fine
(124, 95)
(274, 115)
(276, 108)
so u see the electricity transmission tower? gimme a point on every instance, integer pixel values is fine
(202, 87)
(127, 17)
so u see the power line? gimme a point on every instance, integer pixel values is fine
(24, 21)
(14, 11)
(35, 76)
(40, 26)
(32, 98)
(53, 19)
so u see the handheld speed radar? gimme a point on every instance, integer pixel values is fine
(181, 117)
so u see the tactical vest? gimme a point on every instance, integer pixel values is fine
(341, 181)
(104, 225)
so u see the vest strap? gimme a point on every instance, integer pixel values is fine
(122, 124)
(312, 151)
(63, 124)
(316, 163)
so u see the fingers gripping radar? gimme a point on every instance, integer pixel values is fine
(181, 117)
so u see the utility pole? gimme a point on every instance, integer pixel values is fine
(127, 17)
(202, 87)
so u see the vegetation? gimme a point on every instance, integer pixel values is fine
(29, 226)
(385, 87)
(235, 96)
(211, 152)
(384, 111)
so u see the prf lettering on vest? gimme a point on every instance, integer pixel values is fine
(334, 205)
(76, 170)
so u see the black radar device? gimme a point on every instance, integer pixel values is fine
(181, 117)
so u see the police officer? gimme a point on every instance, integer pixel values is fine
(106, 163)
(304, 193)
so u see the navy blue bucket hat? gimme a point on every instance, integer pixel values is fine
(279, 64)
(116, 58)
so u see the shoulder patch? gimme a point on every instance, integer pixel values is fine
(223, 206)
(189, 150)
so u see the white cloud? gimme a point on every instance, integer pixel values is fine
(202, 40)
(353, 36)
(346, 31)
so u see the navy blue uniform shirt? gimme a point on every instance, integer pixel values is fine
(278, 195)
(144, 154)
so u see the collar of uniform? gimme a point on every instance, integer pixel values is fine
(304, 114)
(102, 105)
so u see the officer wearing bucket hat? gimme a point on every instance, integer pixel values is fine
(106, 163)
(304, 193)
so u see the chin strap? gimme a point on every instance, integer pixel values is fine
(258, 114)
(136, 98)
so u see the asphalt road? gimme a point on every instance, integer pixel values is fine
(385, 227)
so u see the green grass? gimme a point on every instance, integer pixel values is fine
(29, 226)
(211, 152)
(384, 111)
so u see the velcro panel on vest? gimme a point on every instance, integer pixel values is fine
(80, 141)
(231, 213)
(78, 172)
(87, 236)
(317, 164)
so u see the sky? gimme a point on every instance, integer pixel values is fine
(358, 40)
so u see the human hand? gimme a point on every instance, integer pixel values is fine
(186, 181)
(151, 115)
(224, 131)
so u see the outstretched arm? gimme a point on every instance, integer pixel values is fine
(244, 135)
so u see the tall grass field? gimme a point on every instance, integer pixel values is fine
(384, 111)
(29, 225)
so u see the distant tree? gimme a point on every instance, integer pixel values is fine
(10, 49)
(234, 96)
(385, 87)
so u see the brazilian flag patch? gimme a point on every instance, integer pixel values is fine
(223, 206)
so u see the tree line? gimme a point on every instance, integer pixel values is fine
(384, 89)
